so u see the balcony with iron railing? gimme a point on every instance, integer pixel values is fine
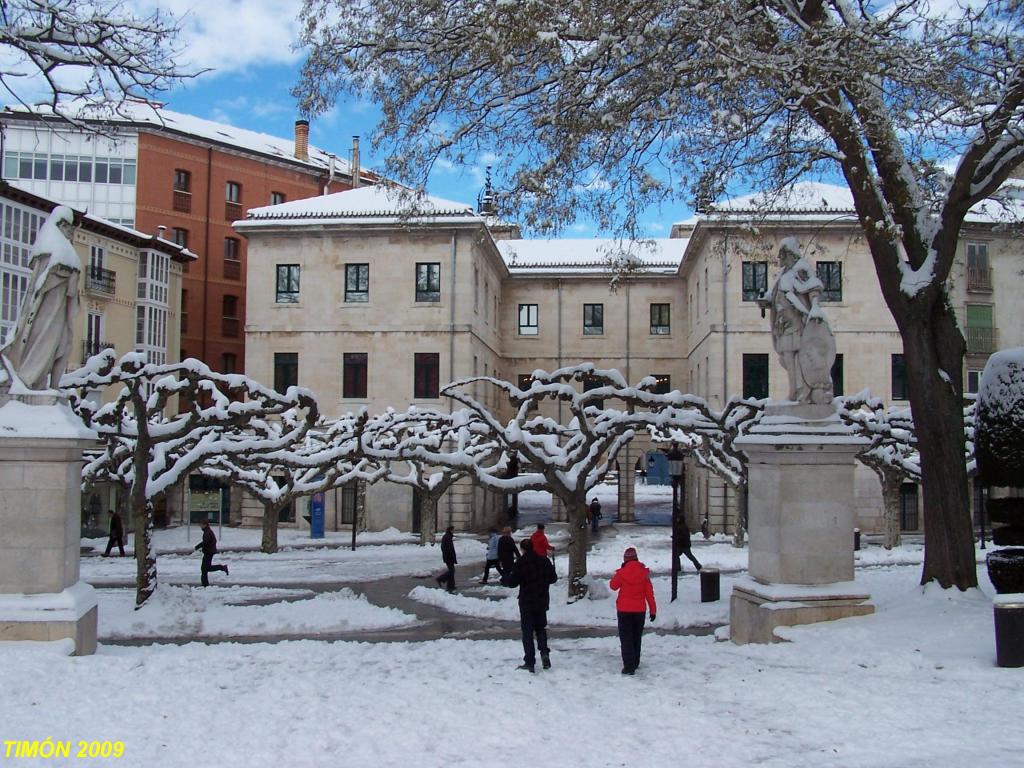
(182, 202)
(232, 269)
(233, 211)
(230, 327)
(981, 341)
(92, 347)
(99, 280)
(979, 279)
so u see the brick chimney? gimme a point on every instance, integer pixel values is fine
(302, 139)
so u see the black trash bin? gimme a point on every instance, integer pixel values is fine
(856, 539)
(1009, 634)
(710, 585)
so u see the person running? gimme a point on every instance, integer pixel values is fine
(683, 546)
(209, 547)
(508, 554)
(448, 556)
(492, 555)
(533, 575)
(633, 583)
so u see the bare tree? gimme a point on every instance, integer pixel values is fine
(99, 53)
(611, 106)
(150, 449)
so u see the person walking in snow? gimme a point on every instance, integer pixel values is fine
(541, 545)
(448, 556)
(595, 514)
(492, 555)
(508, 555)
(633, 583)
(683, 547)
(533, 575)
(115, 529)
(209, 547)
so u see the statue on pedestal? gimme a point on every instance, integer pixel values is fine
(800, 332)
(38, 350)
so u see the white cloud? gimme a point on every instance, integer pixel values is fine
(233, 35)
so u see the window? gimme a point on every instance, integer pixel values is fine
(182, 180)
(93, 334)
(428, 282)
(230, 305)
(229, 321)
(229, 363)
(831, 275)
(231, 249)
(286, 370)
(233, 192)
(755, 279)
(837, 377)
(899, 378)
(285, 514)
(660, 324)
(590, 384)
(528, 320)
(353, 375)
(427, 375)
(663, 383)
(755, 376)
(908, 507)
(973, 381)
(981, 335)
(180, 237)
(476, 288)
(349, 498)
(287, 284)
(593, 319)
(276, 198)
(357, 282)
(979, 277)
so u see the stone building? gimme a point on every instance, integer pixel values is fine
(370, 306)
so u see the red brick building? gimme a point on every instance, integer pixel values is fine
(192, 176)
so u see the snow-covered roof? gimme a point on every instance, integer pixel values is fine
(593, 255)
(161, 119)
(818, 201)
(379, 204)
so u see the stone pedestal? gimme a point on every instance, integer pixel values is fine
(41, 596)
(801, 461)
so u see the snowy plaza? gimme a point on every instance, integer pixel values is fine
(915, 684)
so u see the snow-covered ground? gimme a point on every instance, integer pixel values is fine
(915, 684)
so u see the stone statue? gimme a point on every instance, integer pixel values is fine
(800, 333)
(40, 346)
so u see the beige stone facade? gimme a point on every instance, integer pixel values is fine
(507, 307)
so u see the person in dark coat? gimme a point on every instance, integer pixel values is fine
(115, 529)
(533, 575)
(636, 594)
(508, 555)
(683, 547)
(595, 514)
(448, 555)
(492, 555)
(209, 547)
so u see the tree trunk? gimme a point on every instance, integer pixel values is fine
(428, 519)
(933, 352)
(145, 555)
(579, 538)
(270, 515)
(739, 535)
(891, 482)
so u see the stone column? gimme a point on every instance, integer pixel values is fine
(801, 462)
(626, 487)
(41, 595)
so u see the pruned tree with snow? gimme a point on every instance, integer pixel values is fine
(430, 451)
(149, 447)
(101, 53)
(566, 458)
(328, 456)
(612, 106)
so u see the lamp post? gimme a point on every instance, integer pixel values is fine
(675, 471)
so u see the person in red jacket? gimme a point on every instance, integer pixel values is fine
(633, 583)
(539, 542)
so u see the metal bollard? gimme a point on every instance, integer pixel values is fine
(1009, 634)
(856, 539)
(710, 585)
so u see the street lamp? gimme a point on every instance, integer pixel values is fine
(675, 471)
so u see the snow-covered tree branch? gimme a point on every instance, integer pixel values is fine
(150, 447)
